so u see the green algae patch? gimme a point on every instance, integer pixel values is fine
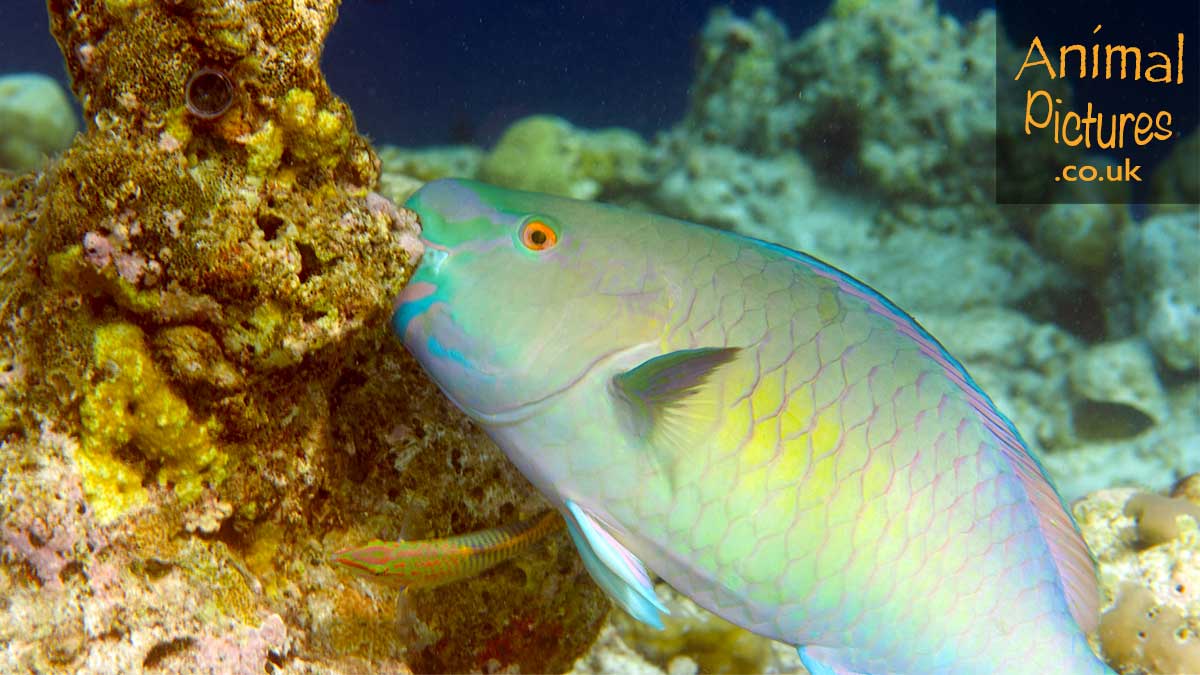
(540, 153)
(547, 154)
(133, 407)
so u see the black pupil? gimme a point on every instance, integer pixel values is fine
(537, 237)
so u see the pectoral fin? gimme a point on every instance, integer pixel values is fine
(614, 567)
(667, 402)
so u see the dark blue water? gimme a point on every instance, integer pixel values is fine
(423, 72)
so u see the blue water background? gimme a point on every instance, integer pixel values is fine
(429, 72)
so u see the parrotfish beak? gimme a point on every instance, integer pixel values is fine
(424, 322)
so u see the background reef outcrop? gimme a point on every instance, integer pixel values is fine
(198, 393)
(36, 120)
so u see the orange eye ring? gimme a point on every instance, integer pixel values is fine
(538, 236)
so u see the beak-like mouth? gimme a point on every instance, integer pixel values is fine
(413, 301)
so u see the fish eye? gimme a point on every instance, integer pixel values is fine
(536, 235)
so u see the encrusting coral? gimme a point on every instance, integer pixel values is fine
(134, 404)
(1147, 548)
(198, 393)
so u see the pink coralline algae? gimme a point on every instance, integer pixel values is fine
(47, 537)
(112, 249)
(247, 654)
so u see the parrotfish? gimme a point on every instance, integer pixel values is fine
(762, 431)
(428, 563)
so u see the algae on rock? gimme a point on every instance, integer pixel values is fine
(195, 299)
(133, 404)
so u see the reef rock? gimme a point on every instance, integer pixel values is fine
(199, 395)
(1147, 547)
(1162, 280)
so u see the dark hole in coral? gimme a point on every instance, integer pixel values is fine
(351, 379)
(274, 660)
(310, 264)
(1104, 420)
(71, 569)
(476, 493)
(269, 223)
(161, 651)
(833, 141)
(177, 7)
(97, 305)
(456, 459)
(157, 569)
(321, 497)
(520, 578)
(81, 508)
(1141, 635)
(208, 93)
(36, 541)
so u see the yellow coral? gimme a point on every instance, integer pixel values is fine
(121, 6)
(312, 132)
(299, 108)
(265, 148)
(133, 407)
(546, 154)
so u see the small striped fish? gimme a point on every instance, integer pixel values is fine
(428, 563)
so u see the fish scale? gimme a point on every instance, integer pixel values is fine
(767, 434)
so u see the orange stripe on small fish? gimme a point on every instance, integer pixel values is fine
(427, 563)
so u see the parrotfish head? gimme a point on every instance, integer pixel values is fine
(520, 296)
